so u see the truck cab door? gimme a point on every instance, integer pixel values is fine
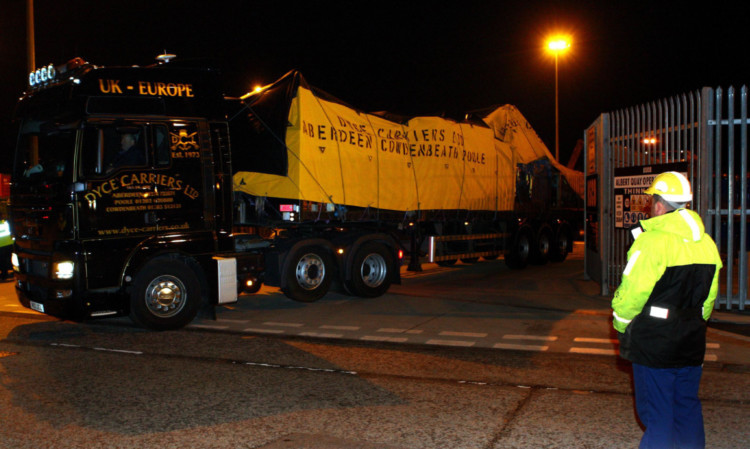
(123, 199)
(179, 201)
(108, 203)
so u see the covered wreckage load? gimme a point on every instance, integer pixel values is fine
(317, 149)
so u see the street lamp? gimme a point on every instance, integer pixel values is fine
(557, 45)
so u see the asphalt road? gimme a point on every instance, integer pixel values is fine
(491, 364)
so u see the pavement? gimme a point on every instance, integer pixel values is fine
(735, 322)
(543, 309)
(557, 312)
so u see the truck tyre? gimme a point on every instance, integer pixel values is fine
(542, 244)
(166, 295)
(518, 254)
(308, 274)
(371, 274)
(470, 260)
(560, 244)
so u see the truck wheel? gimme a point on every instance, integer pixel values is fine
(166, 295)
(542, 244)
(308, 274)
(470, 260)
(559, 250)
(371, 270)
(518, 256)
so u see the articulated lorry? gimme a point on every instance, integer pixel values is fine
(145, 191)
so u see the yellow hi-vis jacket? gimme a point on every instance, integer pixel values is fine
(5, 238)
(667, 292)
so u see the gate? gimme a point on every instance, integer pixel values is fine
(702, 134)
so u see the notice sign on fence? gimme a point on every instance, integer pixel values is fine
(631, 204)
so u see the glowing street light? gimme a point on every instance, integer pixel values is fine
(557, 45)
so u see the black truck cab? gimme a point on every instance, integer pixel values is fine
(121, 194)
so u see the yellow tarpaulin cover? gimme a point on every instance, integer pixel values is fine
(511, 127)
(342, 156)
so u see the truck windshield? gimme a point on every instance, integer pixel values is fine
(44, 160)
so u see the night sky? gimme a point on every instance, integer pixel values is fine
(407, 57)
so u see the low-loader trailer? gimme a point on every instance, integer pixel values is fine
(145, 191)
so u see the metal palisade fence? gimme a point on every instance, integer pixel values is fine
(702, 134)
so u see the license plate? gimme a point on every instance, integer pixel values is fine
(37, 306)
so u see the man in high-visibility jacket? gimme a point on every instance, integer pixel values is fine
(660, 312)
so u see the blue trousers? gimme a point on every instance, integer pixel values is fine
(667, 403)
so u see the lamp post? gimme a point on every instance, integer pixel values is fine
(30, 54)
(557, 45)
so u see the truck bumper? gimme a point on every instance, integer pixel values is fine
(57, 300)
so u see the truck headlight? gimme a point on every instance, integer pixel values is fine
(63, 269)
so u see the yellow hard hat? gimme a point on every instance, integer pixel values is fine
(672, 186)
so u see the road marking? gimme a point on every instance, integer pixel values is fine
(305, 368)
(275, 323)
(613, 341)
(463, 334)
(320, 334)
(392, 330)
(384, 338)
(208, 326)
(265, 331)
(594, 351)
(233, 321)
(451, 343)
(713, 345)
(711, 357)
(339, 328)
(520, 347)
(118, 350)
(531, 337)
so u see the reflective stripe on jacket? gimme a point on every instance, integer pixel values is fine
(667, 292)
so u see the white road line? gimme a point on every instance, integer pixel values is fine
(392, 330)
(275, 323)
(711, 357)
(265, 331)
(713, 345)
(223, 320)
(519, 347)
(339, 328)
(530, 337)
(463, 334)
(207, 326)
(594, 351)
(320, 334)
(118, 350)
(613, 341)
(384, 338)
(451, 343)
